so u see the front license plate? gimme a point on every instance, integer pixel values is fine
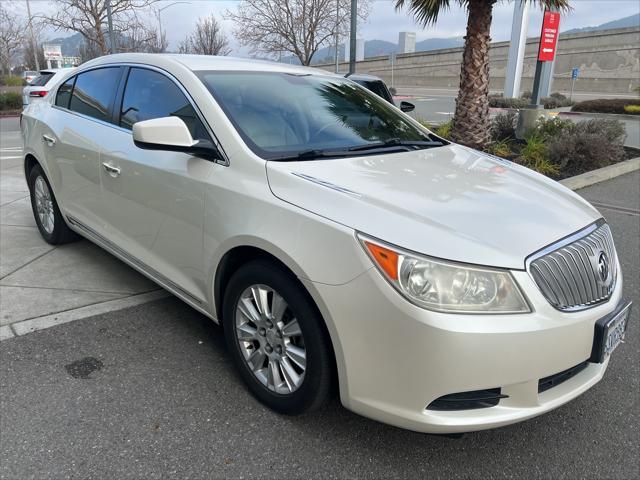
(610, 332)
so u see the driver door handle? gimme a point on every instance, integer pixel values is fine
(48, 140)
(111, 170)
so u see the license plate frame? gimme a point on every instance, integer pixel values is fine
(610, 332)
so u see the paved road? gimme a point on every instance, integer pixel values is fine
(438, 105)
(149, 392)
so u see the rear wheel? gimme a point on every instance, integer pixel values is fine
(276, 338)
(46, 213)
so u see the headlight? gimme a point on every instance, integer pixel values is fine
(446, 286)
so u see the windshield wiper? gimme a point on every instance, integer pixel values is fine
(313, 154)
(396, 142)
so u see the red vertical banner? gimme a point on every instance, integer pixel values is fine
(549, 36)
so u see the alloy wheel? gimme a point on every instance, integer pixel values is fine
(44, 205)
(270, 339)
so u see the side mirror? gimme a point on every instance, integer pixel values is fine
(171, 134)
(407, 107)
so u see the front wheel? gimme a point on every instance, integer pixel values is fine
(276, 338)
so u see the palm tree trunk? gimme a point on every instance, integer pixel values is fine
(471, 120)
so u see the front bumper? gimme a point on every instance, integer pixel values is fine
(394, 358)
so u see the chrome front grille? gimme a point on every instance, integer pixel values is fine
(578, 272)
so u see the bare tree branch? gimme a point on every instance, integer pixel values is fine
(89, 18)
(206, 39)
(298, 27)
(13, 35)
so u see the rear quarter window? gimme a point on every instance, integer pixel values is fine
(64, 93)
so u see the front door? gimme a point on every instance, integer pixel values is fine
(154, 200)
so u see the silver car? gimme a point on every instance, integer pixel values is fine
(334, 238)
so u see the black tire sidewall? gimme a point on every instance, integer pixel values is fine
(315, 386)
(56, 236)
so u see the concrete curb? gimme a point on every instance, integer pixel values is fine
(40, 323)
(601, 174)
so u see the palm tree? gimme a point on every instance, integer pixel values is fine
(471, 120)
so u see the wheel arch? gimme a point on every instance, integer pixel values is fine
(30, 161)
(239, 255)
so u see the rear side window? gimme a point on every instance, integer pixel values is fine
(150, 94)
(64, 93)
(94, 91)
(42, 80)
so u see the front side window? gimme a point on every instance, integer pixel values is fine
(64, 93)
(150, 94)
(94, 91)
(283, 116)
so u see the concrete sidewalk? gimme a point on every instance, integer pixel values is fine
(37, 279)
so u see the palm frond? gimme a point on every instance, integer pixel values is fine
(560, 5)
(426, 11)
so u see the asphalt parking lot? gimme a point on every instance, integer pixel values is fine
(150, 392)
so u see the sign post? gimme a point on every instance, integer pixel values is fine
(574, 74)
(546, 51)
(392, 59)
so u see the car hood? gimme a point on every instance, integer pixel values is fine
(449, 202)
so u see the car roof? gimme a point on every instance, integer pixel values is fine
(363, 77)
(206, 62)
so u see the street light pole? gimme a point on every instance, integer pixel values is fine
(159, 13)
(34, 45)
(337, 33)
(112, 38)
(352, 39)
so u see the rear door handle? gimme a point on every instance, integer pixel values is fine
(113, 171)
(48, 140)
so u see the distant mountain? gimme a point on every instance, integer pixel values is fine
(377, 48)
(630, 21)
(439, 43)
(70, 45)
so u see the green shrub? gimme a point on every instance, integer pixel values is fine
(556, 101)
(500, 148)
(604, 105)
(553, 127)
(12, 81)
(632, 109)
(444, 129)
(587, 145)
(498, 101)
(503, 126)
(10, 101)
(534, 155)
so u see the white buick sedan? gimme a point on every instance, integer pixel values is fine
(333, 237)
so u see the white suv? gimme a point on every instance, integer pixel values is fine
(333, 237)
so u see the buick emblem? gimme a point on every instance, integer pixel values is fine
(603, 267)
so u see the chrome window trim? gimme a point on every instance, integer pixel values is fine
(224, 161)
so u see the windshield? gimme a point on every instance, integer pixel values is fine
(281, 116)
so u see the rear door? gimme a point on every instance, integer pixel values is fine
(154, 200)
(73, 135)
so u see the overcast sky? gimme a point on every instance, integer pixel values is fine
(385, 22)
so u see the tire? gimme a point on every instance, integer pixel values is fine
(315, 380)
(46, 213)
